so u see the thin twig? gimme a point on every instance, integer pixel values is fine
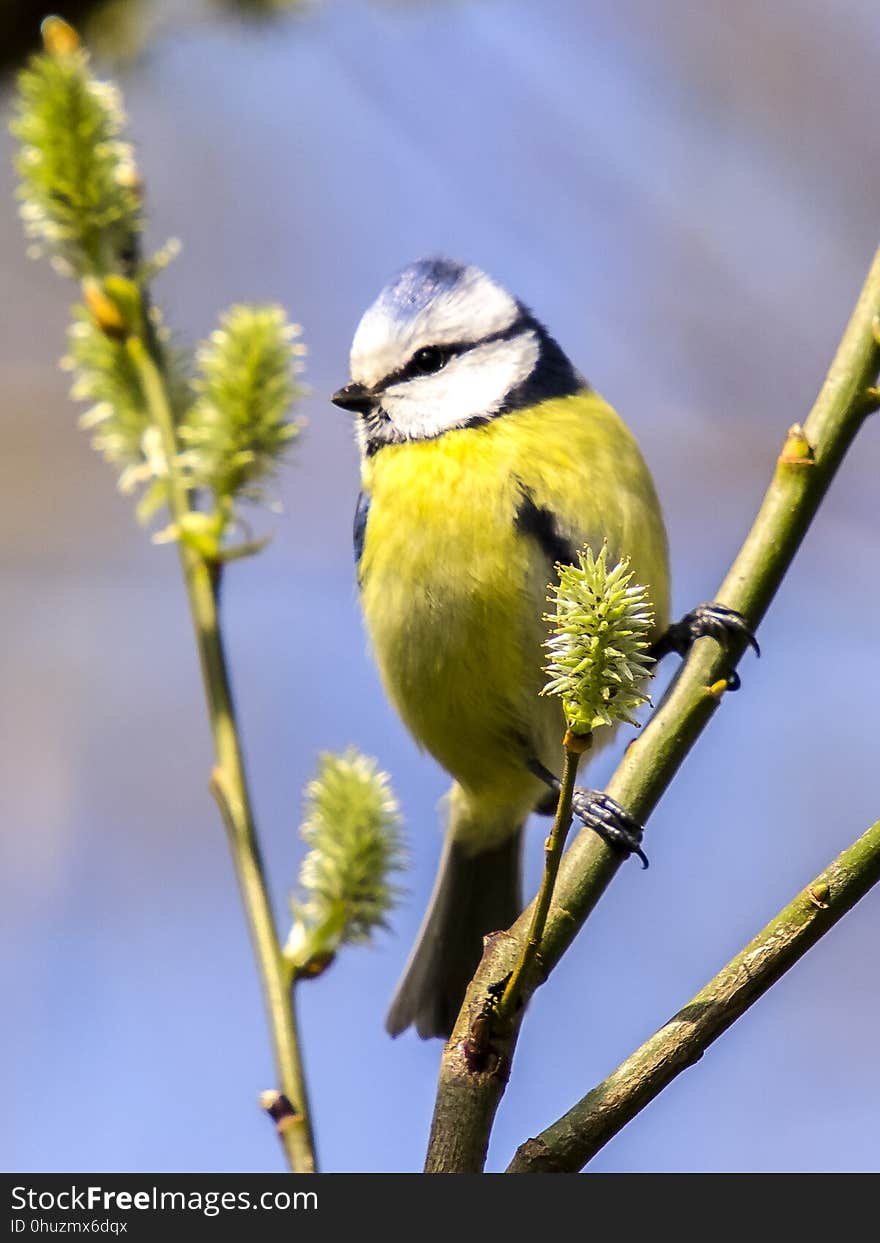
(229, 782)
(577, 1136)
(553, 848)
(466, 1099)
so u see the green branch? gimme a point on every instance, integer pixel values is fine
(469, 1093)
(577, 1136)
(553, 848)
(229, 782)
(81, 201)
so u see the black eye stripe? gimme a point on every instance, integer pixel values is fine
(411, 369)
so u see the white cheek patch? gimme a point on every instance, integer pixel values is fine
(471, 385)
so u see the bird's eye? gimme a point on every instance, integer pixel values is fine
(427, 360)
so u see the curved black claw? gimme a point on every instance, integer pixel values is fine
(607, 818)
(713, 620)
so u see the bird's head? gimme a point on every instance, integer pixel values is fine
(443, 347)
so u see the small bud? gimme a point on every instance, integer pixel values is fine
(872, 399)
(197, 530)
(275, 1102)
(317, 965)
(797, 450)
(127, 297)
(59, 37)
(819, 893)
(104, 309)
(578, 743)
(202, 532)
(280, 1110)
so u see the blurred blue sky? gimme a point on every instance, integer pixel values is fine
(688, 195)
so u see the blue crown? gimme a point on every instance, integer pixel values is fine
(418, 284)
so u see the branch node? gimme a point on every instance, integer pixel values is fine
(218, 788)
(797, 450)
(579, 743)
(479, 1055)
(535, 1157)
(872, 399)
(819, 893)
(280, 1110)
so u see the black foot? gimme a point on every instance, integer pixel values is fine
(607, 818)
(597, 811)
(712, 620)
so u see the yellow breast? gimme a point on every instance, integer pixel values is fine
(453, 592)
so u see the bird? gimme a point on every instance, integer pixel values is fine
(486, 461)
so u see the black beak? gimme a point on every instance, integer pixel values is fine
(354, 397)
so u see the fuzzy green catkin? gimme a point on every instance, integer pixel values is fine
(236, 431)
(599, 646)
(117, 418)
(352, 825)
(105, 375)
(79, 190)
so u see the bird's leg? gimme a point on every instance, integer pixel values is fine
(597, 811)
(712, 620)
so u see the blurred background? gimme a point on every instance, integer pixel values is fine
(688, 194)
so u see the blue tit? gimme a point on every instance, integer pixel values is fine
(486, 459)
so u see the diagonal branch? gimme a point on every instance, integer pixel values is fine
(573, 1140)
(470, 1088)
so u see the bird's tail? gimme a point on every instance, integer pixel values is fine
(475, 893)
